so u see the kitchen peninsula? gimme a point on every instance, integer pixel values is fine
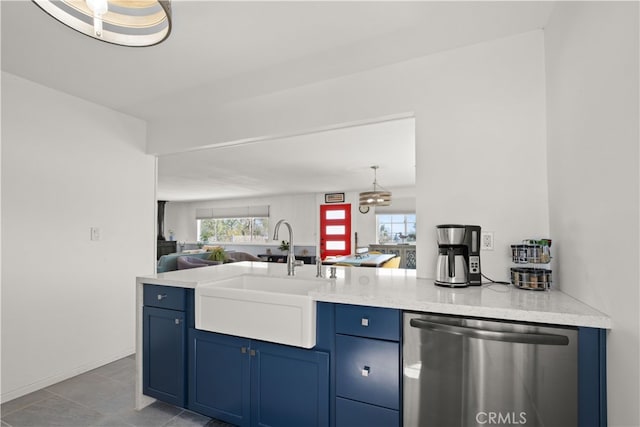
(364, 294)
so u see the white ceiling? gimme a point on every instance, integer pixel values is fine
(332, 161)
(220, 51)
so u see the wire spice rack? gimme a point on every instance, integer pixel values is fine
(533, 258)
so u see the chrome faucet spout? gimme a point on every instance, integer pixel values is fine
(291, 259)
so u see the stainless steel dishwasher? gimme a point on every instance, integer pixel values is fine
(476, 372)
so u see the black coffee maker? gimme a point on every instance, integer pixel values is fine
(458, 262)
(472, 253)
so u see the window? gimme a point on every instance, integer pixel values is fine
(234, 230)
(241, 224)
(396, 228)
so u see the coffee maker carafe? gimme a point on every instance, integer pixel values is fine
(458, 262)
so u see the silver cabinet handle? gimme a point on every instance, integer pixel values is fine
(244, 350)
(161, 297)
(364, 322)
(365, 371)
(177, 321)
(486, 334)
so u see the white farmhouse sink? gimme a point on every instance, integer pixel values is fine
(268, 308)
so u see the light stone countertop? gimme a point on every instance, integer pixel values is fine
(401, 289)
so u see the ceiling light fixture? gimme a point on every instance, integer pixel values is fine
(124, 22)
(377, 197)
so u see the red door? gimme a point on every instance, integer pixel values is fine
(335, 230)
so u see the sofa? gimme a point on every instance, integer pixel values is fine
(170, 262)
(199, 259)
(241, 256)
(186, 262)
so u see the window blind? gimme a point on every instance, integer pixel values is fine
(382, 211)
(232, 212)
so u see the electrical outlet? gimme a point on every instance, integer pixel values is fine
(486, 241)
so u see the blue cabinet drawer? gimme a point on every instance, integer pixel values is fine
(350, 413)
(165, 297)
(372, 322)
(368, 370)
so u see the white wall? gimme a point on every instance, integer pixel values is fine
(480, 134)
(68, 302)
(481, 152)
(181, 218)
(592, 86)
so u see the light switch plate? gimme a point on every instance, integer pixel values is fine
(95, 233)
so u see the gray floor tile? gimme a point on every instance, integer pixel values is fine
(188, 419)
(103, 397)
(94, 391)
(218, 423)
(52, 412)
(125, 364)
(154, 415)
(112, 421)
(125, 375)
(119, 404)
(23, 401)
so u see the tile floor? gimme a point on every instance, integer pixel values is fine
(103, 397)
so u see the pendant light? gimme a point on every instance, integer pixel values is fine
(379, 196)
(122, 22)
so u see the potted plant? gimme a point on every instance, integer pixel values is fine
(284, 246)
(218, 254)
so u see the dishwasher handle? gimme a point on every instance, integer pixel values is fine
(486, 334)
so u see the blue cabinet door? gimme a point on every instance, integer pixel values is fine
(163, 347)
(253, 383)
(219, 369)
(289, 386)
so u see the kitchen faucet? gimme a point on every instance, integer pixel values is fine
(291, 259)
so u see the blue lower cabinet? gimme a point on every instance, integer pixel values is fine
(164, 345)
(219, 368)
(253, 383)
(289, 386)
(357, 414)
